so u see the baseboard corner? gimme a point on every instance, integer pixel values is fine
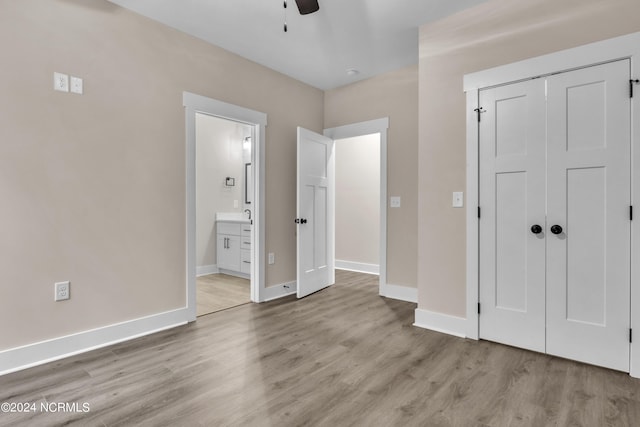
(402, 293)
(439, 322)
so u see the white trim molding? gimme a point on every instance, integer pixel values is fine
(402, 293)
(27, 356)
(360, 267)
(624, 47)
(281, 290)
(204, 270)
(439, 322)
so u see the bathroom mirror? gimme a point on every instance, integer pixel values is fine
(248, 183)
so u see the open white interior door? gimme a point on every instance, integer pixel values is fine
(315, 212)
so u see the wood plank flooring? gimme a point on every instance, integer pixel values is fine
(215, 292)
(341, 357)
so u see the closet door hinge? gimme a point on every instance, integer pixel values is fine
(478, 308)
(630, 213)
(630, 335)
(478, 212)
(631, 83)
(479, 111)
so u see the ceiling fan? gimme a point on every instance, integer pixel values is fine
(305, 7)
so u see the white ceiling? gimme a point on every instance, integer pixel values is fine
(372, 36)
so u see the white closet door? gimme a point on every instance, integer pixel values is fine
(588, 196)
(512, 197)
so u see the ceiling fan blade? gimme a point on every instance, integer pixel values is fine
(307, 6)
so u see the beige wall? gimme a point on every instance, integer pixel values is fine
(494, 33)
(358, 199)
(220, 153)
(393, 95)
(93, 186)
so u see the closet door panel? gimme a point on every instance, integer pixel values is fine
(588, 196)
(512, 185)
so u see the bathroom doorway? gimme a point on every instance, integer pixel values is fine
(232, 229)
(223, 213)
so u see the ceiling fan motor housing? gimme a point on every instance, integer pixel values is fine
(307, 6)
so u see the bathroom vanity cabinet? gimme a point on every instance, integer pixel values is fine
(234, 248)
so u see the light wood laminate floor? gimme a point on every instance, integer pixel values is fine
(341, 357)
(217, 292)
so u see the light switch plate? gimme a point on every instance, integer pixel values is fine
(457, 199)
(76, 85)
(395, 201)
(61, 82)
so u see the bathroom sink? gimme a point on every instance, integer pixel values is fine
(238, 217)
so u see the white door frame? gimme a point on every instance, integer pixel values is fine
(258, 121)
(592, 54)
(367, 128)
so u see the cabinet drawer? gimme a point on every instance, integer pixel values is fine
(245, 242)
(228, 228)
(245, 261)
(246, 230)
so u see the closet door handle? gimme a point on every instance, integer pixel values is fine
(556, 229)
(536, 229)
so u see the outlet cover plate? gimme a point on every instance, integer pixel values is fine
(61, 82)
(62, 291)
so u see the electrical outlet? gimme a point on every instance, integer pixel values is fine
(62, 291)
(395, 201)
(272, 258)
(61, 82)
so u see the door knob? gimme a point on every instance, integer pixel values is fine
(536, 229)
(556, 229)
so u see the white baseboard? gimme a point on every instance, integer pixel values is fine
(27, 356)
(234, 273)
(403, 293)
(439, 322)
(360, 267)
(204, 270)
(279, 291)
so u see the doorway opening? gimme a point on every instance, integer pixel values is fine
(223, 213)
(343, 135)
(357, 223)
(231, 228)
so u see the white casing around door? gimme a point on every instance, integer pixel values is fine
(315, 212)
(555, 151)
